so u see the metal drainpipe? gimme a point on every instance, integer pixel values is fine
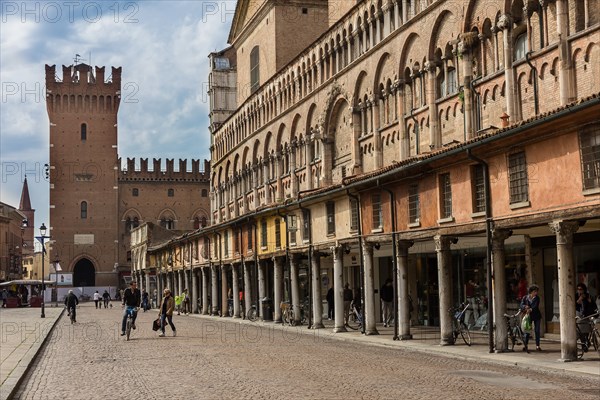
(394, 260)
(360, 265)
(488, 233)
(256, 267)
(241, 271)
(309, 269)
(287, 253)
(462, 88)
(535, 83)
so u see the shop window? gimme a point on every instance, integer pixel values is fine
(277, 233)
(518, 181)
(445, 196)
(377, 213)
(478, 188)
(589, 142)
(353, 214)
(330, 206)
(414, 207)
(249, 234)
(263, 233)
(305, 225)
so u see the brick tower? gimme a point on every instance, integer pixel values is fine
(82, 109)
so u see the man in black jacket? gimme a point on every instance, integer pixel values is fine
(71, 304)
(387, 298)
(132, 299)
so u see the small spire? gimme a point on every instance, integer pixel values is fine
(25, 204)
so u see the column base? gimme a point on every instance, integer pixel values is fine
(567, 359)
(317, 326)
(278, 321)
(236, 317)
(372, 332)
(407, 336)
(447, 342)
(340, 329)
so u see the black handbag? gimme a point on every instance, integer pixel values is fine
(156, 324)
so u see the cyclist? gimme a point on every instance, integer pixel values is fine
(132, 298)
(71, 304)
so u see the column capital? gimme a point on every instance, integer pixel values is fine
(504, 22)
(564, 230)
(498, 238)
(404, 245)
(335, 251)
(442, 243)
(367, 248)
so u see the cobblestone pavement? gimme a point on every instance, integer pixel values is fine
(210, 359)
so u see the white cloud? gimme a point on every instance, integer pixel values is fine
(165, 67)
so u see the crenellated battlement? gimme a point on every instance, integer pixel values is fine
(83, 89)
(133, 171)
(83, 74)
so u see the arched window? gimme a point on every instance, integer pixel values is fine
(84, 209)
(254, 69)
(520, 46)
(167, 223)
(83, 132)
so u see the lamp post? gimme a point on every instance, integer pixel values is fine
(56, 269)
(42, 238)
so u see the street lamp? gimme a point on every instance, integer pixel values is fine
(42, 238)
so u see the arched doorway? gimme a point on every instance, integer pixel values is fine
(84, 273)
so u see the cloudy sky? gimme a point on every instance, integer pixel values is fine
(162, 47)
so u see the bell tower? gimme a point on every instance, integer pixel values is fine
(82, 110)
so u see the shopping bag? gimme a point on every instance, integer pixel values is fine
(526, 324)
(156, 324)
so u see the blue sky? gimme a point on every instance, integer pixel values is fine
(162, 47)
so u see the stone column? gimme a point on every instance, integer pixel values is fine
(394, 10)
(403, 132)
(494, 30)
(266, 180)
(435, 134)
(179, 281)
(256, 185)
(316, 291)
(195, 292)
(356, 133)
(295, 288)
(505, 25)
(205, 309)
(387, 20)
(467, 68)
(293, 177)
(278, 172)
(544, 5)
(338, 288)
(498, 262)
(564, 231)
(278, 288)
(159, 287)
(224, 292)
(247, 287)
(444, 261)
(262, 290)
(169, 283)
(214, 298)
(369, 311)
(235, 290)
(377, 133)
(402, 285)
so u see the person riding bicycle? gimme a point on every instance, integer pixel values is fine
(71, 304)
(584, 307)
(132, 298)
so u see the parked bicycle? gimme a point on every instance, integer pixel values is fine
(230, 307)
(131, 311)
(355, 320)
(287, 313)
(587, 334)
(458, 324)
(252, 313)
(515, 333)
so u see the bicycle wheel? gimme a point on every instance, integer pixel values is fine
(581, 348)
(513, 335)
(353, 322)
(595, 340)
(128, 327)
(230, 311)
(72, 315)
(252, 314)
(292, 318)
(465, 334)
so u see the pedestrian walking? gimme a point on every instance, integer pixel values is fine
(187, 302)
(178, 300)
(387, 299)
(165, 313)
(97, 299)
(106, 299)
(145, 305)
(531, 306)
(4, 297)
(330, 303)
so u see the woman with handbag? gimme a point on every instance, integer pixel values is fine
(165, 313)
(530, 305)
